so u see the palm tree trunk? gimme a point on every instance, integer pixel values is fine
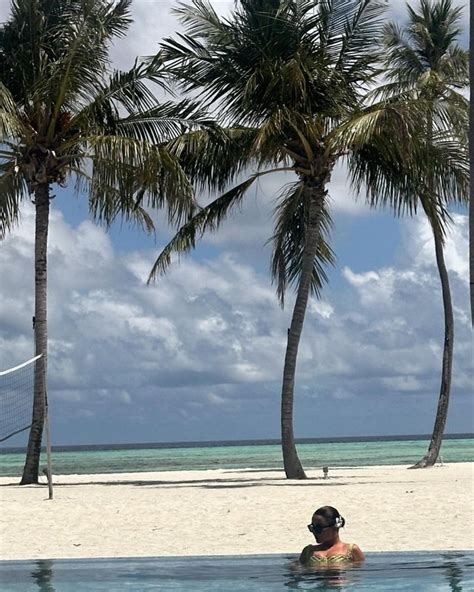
(291, 462)
(471, 245)
(471, 189)
(442, 412)
(31, 469)
(471, 240)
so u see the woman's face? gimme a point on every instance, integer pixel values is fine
(321, 530)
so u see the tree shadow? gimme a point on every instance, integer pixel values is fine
(214, 483)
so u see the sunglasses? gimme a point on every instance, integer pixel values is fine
(317, 528)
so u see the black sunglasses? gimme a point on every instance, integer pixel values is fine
(317, 528)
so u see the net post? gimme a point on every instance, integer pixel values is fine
(47, 433)
(48, 452)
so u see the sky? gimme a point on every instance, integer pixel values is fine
(198, 355)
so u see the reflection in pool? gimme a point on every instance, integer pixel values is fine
(391, 572)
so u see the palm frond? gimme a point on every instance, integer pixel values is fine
(82, 55)
(108, 204)
(165, 122)
(213, 158)
(404, 62)
(437, 171)
(127, 90)
(12, 189)
(447, 161)
(112, 18)
(388, 125)
(358, 49)
(201, 20)
(289, 241)
(11, 124)
(208, 219)
(139, 172)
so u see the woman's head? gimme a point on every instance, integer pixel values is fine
(325, 523)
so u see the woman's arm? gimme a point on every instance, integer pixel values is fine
(306, 554)
(357, 554)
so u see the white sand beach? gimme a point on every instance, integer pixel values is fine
(223, 512)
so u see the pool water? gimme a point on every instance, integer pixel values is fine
(420, 572)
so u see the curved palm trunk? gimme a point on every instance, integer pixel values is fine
(471, 241)
(31, 469)
(291, 462)
(442, 412)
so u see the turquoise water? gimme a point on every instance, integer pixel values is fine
(382, 572)
(144, 458)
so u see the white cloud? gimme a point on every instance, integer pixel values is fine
(455, 248)
(213, 329)
(320, 307)
(402, 383)
(4, 9)
(99, 302)
(395, 332)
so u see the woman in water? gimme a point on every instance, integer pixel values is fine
(325, 525)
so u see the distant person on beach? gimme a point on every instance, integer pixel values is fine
(325, 525)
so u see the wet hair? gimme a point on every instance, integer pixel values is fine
(331, 516)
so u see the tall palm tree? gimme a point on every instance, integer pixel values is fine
(289, 79)
(64, 115)
(471, 153)
(425, 62)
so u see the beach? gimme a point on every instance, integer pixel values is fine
(232, 512)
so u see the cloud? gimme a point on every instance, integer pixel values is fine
(209, 338)
(153, 21)
(4, 9)
(99, 303)
(401, 345)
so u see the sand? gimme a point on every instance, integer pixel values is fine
(222, 512)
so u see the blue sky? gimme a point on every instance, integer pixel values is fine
(199, 354)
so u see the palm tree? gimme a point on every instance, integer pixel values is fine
(289, 78)
(64, 115)
(425, 63)
(471, 153)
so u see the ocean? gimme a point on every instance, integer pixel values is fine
(258, 454)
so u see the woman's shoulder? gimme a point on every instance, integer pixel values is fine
(355, 552)
(307, 553)
(351, 549)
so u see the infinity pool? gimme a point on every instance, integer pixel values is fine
(391, 572)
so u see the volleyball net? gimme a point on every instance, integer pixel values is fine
(16, 397)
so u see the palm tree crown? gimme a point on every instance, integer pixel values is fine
(426, 51)
(64, 114)
(282, 75)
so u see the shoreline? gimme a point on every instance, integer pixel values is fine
(234, 512)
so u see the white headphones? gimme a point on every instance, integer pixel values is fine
(339, 522)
